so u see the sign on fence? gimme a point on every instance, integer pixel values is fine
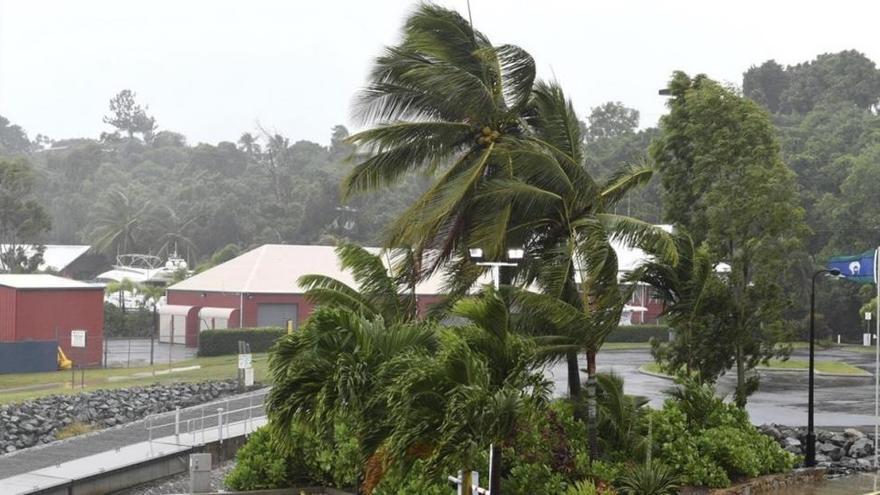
(245, 361)
(77, 338)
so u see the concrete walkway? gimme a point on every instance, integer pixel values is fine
(86, 455)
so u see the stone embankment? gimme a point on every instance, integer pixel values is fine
(38, 421)
(841, 453)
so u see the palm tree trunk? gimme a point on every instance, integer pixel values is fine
(574, 382)
(592, 437)
(740, 395)
(495, 469)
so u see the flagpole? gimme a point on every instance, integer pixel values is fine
(877, 355)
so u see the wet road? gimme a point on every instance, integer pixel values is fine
(781, 398)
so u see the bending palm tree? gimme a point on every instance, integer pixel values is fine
(569, 248)
(444, 98)
(119, 224)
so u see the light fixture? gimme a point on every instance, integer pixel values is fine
(515, 254)
(475, 253)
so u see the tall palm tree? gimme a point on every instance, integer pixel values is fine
(569, 234)
(444, 99)
(382, 291)
(119, 223)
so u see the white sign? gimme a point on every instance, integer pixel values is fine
(245, 361)
(77, 338)
(249, 377)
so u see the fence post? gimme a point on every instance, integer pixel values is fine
(150, 428)
(250, 414)
(177, 424)
(220, 424)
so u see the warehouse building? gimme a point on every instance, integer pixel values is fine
(38, 314)
(260, 289)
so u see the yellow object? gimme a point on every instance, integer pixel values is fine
(63, 362)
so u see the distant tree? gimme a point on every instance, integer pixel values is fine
(120, 223)
(248, 143)
(168, 138)
(13, 139)
(23, 220)
(610, 120)
(726, 184)
(765, 84)
(128, 116)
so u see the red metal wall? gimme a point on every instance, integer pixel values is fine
(7, 314)
(50, 314)
(249, 303)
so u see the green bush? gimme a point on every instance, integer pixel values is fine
(224, 342)
(259, 466)
(638, 333)
(135, 322)
(709, 441)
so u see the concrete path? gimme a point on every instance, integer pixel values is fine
(111, 439)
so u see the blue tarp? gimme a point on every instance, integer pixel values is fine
(28, 356)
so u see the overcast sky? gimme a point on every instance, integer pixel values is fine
(214, 69)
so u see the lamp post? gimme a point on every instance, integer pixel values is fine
(810, 461)
(513, 256)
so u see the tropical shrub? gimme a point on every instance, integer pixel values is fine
(709, 441)
(651, 478)
(224, 342)
(259, 466)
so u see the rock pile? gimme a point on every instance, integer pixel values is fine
(38, 421)
(841, 453)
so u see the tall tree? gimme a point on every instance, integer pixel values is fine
(23, 220)
(726, 184)
(765, 84)
(120, 223)
(611, 120)
(127, 115)
(443, 99)
(13, 139)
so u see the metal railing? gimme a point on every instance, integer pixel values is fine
(207, 417)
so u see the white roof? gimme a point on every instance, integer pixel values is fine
(57, 256)
(275, 269)
(42, 281)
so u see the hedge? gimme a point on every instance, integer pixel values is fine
(638, 333)
(223, 342)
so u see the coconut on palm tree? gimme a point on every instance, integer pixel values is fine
(443, 100)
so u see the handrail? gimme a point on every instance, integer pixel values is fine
(223, 415)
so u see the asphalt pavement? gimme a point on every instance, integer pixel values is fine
(781, 398)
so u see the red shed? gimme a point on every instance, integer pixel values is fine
(46, 307)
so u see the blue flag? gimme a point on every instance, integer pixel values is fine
(858, 268)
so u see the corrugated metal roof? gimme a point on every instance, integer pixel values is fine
(275, 269)
(42, 281)
(57, 256)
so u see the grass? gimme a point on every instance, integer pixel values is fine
(625, 346)
(837, 367)
(74, 429)
(33, 385)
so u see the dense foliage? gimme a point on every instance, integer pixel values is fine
(225, 342)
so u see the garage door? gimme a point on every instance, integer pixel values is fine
(276, 315)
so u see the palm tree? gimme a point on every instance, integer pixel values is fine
(569, 234)
(171, 232)
(121, 288)
(119, 223)
(473, 391)
(443, 99)
(386, 292)
(690, 293)
(339, 364)
(151, 295)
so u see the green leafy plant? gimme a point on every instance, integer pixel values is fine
(651, 478)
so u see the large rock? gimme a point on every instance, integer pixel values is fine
(38, 421)
(861, 448)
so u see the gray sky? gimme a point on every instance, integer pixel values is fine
(214, 69)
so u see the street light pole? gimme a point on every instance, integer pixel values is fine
(810, 460)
